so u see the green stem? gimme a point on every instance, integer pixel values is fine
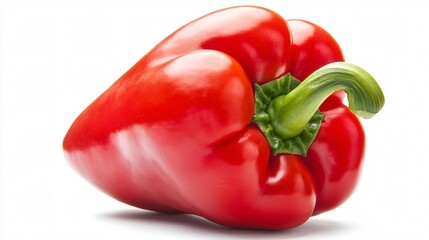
(290, 113)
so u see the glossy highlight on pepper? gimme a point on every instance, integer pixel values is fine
(189, 128)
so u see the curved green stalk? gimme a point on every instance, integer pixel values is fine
(290, 113)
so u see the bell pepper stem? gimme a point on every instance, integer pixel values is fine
(290, 113)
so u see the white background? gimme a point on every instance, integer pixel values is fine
(57, 56)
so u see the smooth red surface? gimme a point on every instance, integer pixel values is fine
(335, 157)
(313, 48)
(174, 133)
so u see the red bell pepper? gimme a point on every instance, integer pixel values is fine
(212, 122)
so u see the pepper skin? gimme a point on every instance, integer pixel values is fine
(175, 132)
(313, 48)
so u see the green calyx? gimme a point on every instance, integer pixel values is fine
(287, 113)
(264, 95)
